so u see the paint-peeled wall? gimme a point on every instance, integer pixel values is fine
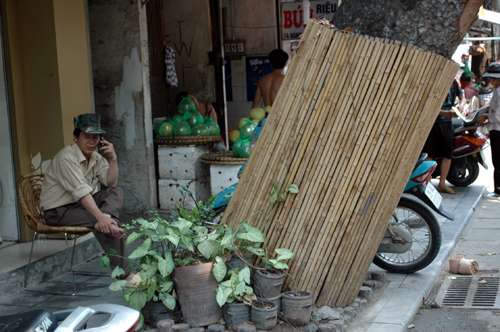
(119, 63)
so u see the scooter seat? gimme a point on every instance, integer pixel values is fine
(30, 321)
(457, 123)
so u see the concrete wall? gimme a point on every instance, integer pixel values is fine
(8, 227)
(188, 32)
(48, 72)
(120, 67)
(253, 21)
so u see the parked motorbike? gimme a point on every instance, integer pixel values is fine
(95, 318)
(413, 236)
(468, 146)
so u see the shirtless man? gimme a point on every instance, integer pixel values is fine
(269, 85)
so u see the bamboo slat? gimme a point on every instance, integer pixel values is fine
(347, 126)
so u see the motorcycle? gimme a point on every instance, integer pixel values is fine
(413, 237)
(468, 146)
(118, 319)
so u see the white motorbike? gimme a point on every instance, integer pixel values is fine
(94, 318)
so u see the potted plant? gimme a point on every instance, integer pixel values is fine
(169, 253)
(235, 296)
(154, 261)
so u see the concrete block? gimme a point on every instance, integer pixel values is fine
(246, 328)
(349, 312)
(182, 162)
(216, 328)
(311, 327)
(222, 176)
(196, 329)
(328, 327)
(379, 276)
(339, 323)
(183, 327)
(326, 312)
(365, 293)
(369, 283)
(168, 192)
(165, 325)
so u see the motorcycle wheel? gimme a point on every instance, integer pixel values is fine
(464, 175)
(419, 221)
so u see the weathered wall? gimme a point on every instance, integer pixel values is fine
(8, 227)
(119, 62)
(188, 32)
(255, 22)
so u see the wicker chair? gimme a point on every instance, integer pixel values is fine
(29, 188)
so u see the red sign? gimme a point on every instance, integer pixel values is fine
(292, 15)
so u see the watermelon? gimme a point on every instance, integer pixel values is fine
(200, 130)
(175, 119)
(243, 121)
(182, 129)
(236, 148)
(257, 113)
(234, 135)
(244, 149)
(195, 119)
(165, 129)
(185, 105)
(213, 128)
(247, 130)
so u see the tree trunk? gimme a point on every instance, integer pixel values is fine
(437, 26)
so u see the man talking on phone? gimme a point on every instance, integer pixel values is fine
(70, 190)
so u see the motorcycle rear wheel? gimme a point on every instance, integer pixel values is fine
(426, 234)
(463, 175)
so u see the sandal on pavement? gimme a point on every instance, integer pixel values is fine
(447, 190)
(135, 281)
(492, 195)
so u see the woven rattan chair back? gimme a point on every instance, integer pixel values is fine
(29, 188)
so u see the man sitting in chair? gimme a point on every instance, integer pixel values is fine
(69, 196)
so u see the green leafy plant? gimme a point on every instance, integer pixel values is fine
(237, 288)
(280, 196)
(153, 258)
(182, 241)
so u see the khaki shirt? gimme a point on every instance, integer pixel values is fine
(70, 177)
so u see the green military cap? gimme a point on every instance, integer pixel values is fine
(89, 123)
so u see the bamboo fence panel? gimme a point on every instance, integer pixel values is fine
(347, 126)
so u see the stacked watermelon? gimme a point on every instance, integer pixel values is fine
(188, 122)
(241, 137)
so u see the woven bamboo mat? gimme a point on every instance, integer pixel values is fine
(187, 140)
(222, 158)
(348, 124)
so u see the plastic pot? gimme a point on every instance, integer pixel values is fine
(196, 289)
(267, 285)
(264, 315)
(296, 308)
(236, 313)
